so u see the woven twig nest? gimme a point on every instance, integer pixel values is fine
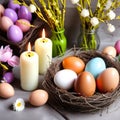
(68, 100)
(29, 36)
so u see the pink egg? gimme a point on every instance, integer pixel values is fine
(1, 10)
(117, 46)
(5, 23)
(23, 24)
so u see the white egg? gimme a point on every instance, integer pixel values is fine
(64, 79)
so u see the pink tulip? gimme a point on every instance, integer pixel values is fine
(13, 61)
(6, 55)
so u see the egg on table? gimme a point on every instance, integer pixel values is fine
(64, 79)
(6, 90)
(85, 84)
(74, 63)
(108, 80)
(38, 97)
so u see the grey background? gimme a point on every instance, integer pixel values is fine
(46, 112)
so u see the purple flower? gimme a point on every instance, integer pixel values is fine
(6, 55)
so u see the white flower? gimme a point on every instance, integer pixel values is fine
(85, 13)
(111, 15)
(111, 28)
(98, 5)
(32, 8)
(74, 1)
(108, 4)
(19, 105)
(94, 21)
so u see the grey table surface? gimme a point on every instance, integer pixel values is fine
(46, 112)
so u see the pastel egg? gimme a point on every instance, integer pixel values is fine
(108, 80)
(65, 78)
(95, 66)
(23, 24)
(5, 23)
(8, 77)
(11, 14)
(13, 6)
(110, 50)
(38, 97)
(117, 46)
(15, 34)
(1, 10)
(24, 13)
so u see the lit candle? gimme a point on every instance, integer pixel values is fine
(43, 46)
(29, 69)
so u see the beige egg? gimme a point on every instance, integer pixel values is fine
(1, 10)
(38, 97)
(5, 23)
(110, 50)
(6, 90)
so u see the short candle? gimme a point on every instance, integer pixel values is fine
(29, 70)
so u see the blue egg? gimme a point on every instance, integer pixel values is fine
(95, 66)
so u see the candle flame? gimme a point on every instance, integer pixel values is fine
(29, 47)
(43, 33)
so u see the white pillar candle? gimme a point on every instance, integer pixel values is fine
(29, 70)
(43, 46)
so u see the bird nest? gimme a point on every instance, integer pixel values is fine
(68, 100)
(29, 36)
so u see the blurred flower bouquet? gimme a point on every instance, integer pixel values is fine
(7, 60)
(53, 13)
(90, 18)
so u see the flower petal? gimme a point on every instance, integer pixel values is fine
(5, 57)
(14, 61)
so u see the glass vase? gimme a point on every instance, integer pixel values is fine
(59, 43)
(88, 39)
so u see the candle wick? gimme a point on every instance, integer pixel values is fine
(29, 55)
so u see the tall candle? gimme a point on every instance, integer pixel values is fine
(43, 46)
(29, 70)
